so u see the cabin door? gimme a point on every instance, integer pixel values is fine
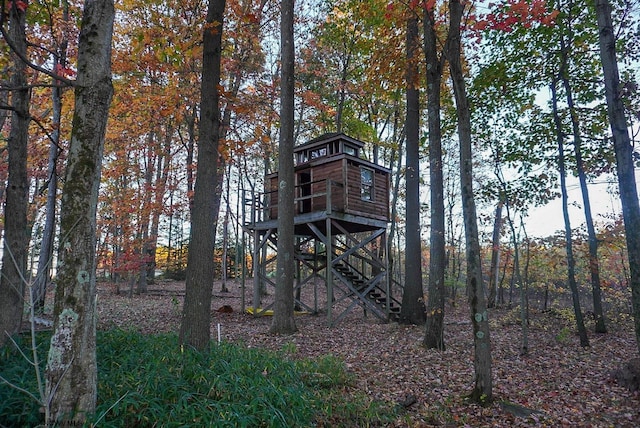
(304, 184)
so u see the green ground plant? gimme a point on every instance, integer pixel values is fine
(147, 381)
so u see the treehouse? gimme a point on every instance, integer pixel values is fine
(341, 214)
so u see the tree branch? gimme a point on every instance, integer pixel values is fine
(22, 57)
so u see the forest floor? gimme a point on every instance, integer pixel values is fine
(557, 384)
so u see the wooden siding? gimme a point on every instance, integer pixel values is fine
(346, 196)
(378, 206)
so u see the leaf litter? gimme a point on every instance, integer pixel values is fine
(558, 384)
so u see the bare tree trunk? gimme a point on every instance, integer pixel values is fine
(71, 372)
(45, 258)
(283, 321)
(145, 214)
(162, 176)
(16, 237)
(594, 265)
(624, 154)
(225, 234)
(394, 208)
(434, 327)
(196, 315)
(483, 385)
(517, 277)
(495, 257)
(582, 332)
(412, 310)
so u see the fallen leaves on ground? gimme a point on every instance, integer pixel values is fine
(557, 384)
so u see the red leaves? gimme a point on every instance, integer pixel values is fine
(20, 5)
(63, 71)
(516, 12)
(389, 11)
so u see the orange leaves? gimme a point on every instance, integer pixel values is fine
(251, 18)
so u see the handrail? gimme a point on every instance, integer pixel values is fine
(263, 202)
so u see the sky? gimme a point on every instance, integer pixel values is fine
(546, 220)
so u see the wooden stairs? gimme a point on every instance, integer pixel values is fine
(371, 294)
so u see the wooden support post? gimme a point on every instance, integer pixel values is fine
(244, 249)
(387, 281)
(315, 274)
(329, 199)
(256, 271)
(329, 273)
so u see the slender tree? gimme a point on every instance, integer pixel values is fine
(594, 265)
(483, 384)
(43, 275)
(571, 264)
(71, 372)
(494, 275)
(624, 153)
(434, 327)
(196, 315)
(16, 238)
(413, 309)
(283, 320)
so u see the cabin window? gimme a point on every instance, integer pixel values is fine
(318, 153)
(302, 157)
(350, 150)
(366, 184)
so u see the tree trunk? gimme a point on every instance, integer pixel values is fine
(434, 327)
(394, 209)
(594, 265)
(16, 238)
(196, 315)
(71, 372)
(45, 258)
(624, 154)
(225, 236)
(162, 176)
(582, 332)
(483, 387)
(517, 279)
(283, 321)
(412, 309)
(495, 257)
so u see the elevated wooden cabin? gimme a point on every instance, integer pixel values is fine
(331, 178)
(341, 213)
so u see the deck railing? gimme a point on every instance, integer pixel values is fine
(321, 195)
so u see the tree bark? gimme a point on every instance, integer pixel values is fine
(434, 326)
(71, 372)
(495, 257)
(283, 321)
(517, 279)
(45, 258)
(483, 387)
(624, 154)
(594, 265)
(196, 316)
(412, 310)
(584, 339)
(16, 237)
